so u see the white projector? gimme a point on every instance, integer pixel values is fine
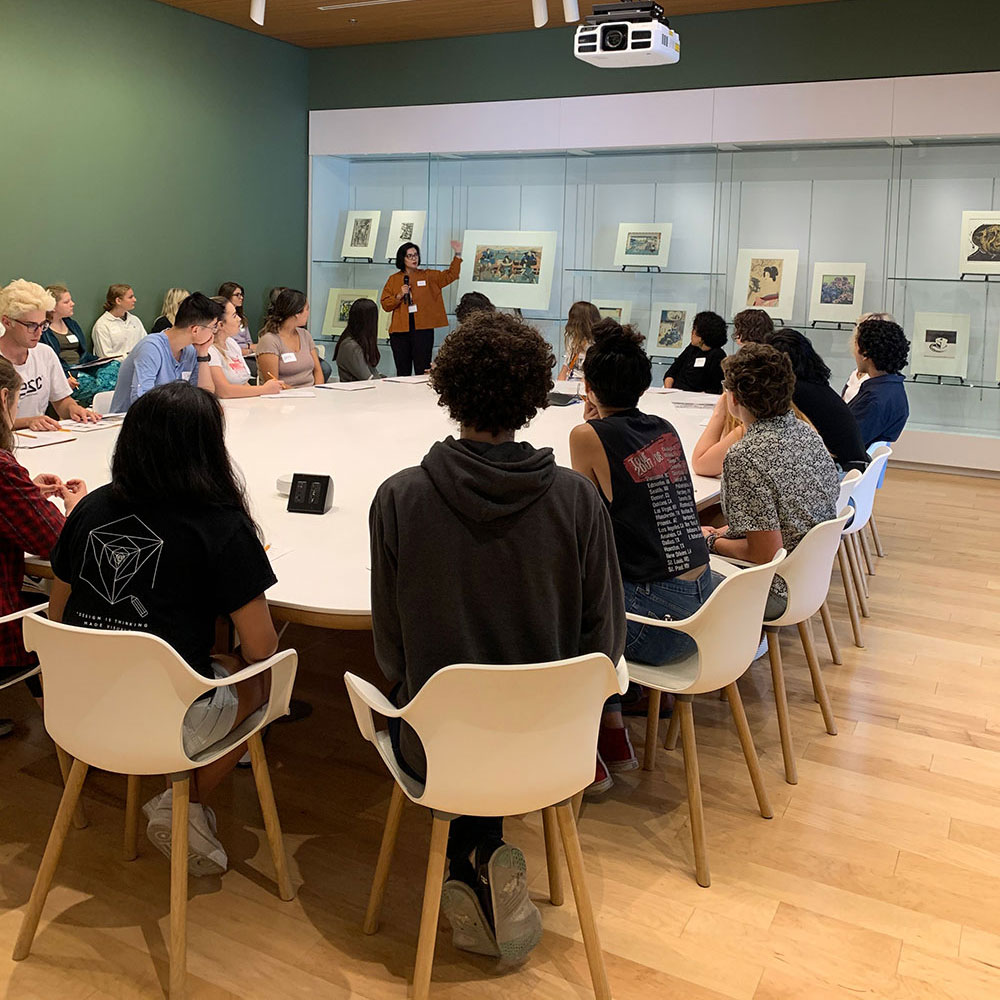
(627, 34)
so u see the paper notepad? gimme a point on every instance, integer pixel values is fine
(408, 378)
(347, 386)
(82, 428)
(290, 394)
(42, 439)
(661, 389)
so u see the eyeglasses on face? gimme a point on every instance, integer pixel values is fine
(33, 327)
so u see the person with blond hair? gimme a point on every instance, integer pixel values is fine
(168, 311)
(117, 329)
(23, 312)
(579, 335)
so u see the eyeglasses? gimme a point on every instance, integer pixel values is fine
(413, 256)
(33, 327)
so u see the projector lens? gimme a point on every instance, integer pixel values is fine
(614, 38)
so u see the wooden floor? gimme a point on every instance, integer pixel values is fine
(878, 877)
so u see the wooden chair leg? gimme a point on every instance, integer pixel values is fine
(262, 779)
(384, 863)
(879, 551)
(781, 706)
(866, 552)
(859, 578)
(431, 908)
(673, 731)
(179, 887)
(132, 817)
(749, 750)
(80, 821)
(849, 595)
(652, 728)
(584, 907)
(50, 859)
(831, 634)
(682, 707)
(819, 685)
(577, 803)
(550, 826)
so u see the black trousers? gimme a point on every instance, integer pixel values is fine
(412, 351)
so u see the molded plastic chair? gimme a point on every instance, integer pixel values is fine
(872, 526)
(102, 402)
(499, 741)
(116, 701)
(727, 630)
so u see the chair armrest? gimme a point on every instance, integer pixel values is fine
(621, 672)
(282, 666)
(727, 562)
(250, 671)
(21, 614)
(677, 624)
(366, 698)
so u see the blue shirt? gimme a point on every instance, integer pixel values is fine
(151, 362)
(880, 408)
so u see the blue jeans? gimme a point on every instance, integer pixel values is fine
(668, 600)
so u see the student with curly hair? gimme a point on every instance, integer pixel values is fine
(880, 407)
(752, 326)
(698, 367)
(488, 552)
(779, 480)
(855, 379)
(472, 302)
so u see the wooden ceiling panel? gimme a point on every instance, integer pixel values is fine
(301, 22)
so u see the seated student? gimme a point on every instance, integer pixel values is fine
(357, 354)
(229, 369)
(472, 302)
(823, 408)
(168, 311)
(285, 350)
(752, 326)
(488, 524)
(661, 550)
(233, 291)
(583, 316)
(171, 355)
(117, 330)
(23, 306)
(697, 367)
(854, 380)
(779, 480)
(172, 479)
(880, 407)
(28, 523)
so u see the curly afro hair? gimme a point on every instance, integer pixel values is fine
(493, 373)
(884, 344)
(752, 326)
(711, 327)
(761, 379)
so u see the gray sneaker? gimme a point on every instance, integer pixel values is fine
(206, 856)
(516, 919)
(470, 930)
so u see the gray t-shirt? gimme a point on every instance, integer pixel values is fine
(295, 368)
(351, 363)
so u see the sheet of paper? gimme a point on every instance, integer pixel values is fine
(408, 378)
(42, 439)
(696, 406)
(660, 389)
(347, 386)
(82, 428)
(275, 550)
(290, 394)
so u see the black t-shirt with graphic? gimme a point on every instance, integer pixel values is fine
(657, 532)
(164, 569)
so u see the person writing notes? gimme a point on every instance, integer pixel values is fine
(413, 296)
(285, 350)
(698, 367)
(229, 369)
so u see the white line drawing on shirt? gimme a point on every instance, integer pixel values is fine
(114, 555)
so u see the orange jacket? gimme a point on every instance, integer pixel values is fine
(425, 290)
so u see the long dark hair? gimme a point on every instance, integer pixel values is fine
(172, 449)
(287, 303)
(401, 255)
(227, 290)
(362, 326)
(806, 363)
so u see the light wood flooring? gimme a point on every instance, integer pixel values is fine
(879, 875)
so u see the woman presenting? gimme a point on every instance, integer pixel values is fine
(413, 296)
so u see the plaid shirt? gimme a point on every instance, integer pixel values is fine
(28, 523)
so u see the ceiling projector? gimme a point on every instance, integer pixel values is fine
(627, 34)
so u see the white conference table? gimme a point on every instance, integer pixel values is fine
(359, 438)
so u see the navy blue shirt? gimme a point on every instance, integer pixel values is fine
(880, 408)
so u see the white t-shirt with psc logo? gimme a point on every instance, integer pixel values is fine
(232, 364)
(42, 381)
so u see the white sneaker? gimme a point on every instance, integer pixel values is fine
(517, 920)
(761, 649)
(158, 812)
(206, 855)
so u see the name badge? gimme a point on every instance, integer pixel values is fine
(420, 284)
(413, 309)
(288, 357)
(71, 338)
(186, 376)
(699, 362)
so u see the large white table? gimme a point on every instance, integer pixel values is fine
(359, 438)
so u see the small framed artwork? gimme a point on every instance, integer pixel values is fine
(670, 327)
(404, 227)
(360, 234)
(643, 244)
(979, 252)
(765, 279)
(338, 305)
(513, 269)
(940, 344)
(837, 293)
(619, 310)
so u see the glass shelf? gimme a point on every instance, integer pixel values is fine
(363, 262)
(972, 279)
(644, 274)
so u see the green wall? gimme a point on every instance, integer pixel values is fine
(143, 144)
(844, 39)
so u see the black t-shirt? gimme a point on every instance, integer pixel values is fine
(653, 511)
(834, 422)
(695, 370)
(160, 324)
(168, 570)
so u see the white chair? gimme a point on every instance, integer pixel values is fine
(499, 741)
(872, 526)
(847, 487)
(101, 402)
(116, 701)
(726, 629)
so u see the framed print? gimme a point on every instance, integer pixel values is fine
(404, 227)
(619, 310)
(765, 279)
(338, 305)
(837, 293)
(940, 344)
(643, 244)
(513, 269)
(670, 327)
(360, 234)
(979, 252)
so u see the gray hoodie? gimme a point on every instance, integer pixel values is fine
(489, 554)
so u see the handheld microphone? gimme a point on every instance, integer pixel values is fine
(406, 282)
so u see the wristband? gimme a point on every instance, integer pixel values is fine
(710, 542)
(203, 358)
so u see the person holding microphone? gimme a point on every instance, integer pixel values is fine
(413, 296)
